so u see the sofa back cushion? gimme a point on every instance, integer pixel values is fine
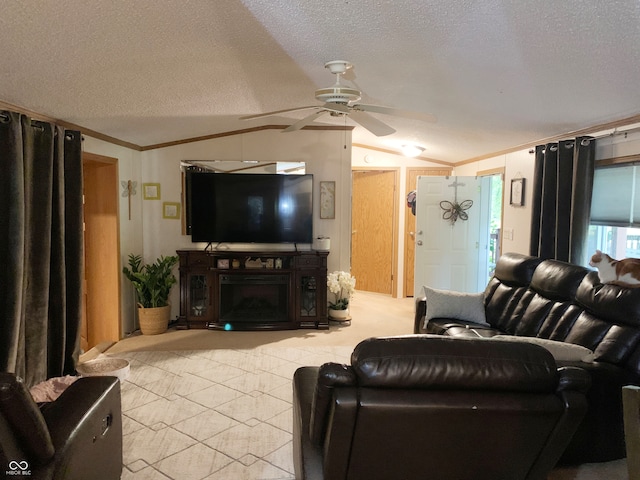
(567, 302)
(504, 291)
(610, 321)
(551, 292)
(437, 362)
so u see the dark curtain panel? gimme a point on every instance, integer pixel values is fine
(562, 185)
(41, 247)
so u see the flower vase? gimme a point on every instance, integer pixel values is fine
(340, 315)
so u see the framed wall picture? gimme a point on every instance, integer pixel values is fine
(171, 210)
(517, 192)
(328, 199)
(151, 191)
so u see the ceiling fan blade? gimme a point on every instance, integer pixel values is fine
(304, 122)
(375, 126)
(425, 117)
(276, 112)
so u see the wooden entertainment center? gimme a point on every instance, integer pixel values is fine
(250, 290)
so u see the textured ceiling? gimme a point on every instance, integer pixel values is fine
(496, 73)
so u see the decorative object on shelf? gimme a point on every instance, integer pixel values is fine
(454, 210)
(223, 263)
(235, 263)
(517, 192)
(328, 200)
(257, 263)
(341, 285)
(322, 243)
(171, 210)
(151, 191)
(129, 190)
(152, 283)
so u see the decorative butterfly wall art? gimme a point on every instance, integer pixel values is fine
(455, 210)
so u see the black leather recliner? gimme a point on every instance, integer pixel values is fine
(416, 407)
(78, 436)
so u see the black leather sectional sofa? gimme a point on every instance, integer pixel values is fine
(549, 299)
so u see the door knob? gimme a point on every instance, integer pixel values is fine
(412, 234)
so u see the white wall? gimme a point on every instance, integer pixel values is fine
(516, 228)
(328, 159)
(516, 221)
(149, 234)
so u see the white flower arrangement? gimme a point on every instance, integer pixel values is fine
(341, 285)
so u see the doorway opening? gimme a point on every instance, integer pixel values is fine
(492, 188)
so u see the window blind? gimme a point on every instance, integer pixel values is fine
(616, 196)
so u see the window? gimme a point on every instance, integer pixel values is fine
(618, 242)
(615, 211)
(616, 196)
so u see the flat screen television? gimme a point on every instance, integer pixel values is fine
(250, 208)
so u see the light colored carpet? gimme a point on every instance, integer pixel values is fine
(217, 405)
(373, 315)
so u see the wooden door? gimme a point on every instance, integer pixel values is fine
(410, 223)
(374, 231)
(102, 258)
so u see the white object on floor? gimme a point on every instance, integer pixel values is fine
(106, 367)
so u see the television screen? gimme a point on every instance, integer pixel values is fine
(251, 208)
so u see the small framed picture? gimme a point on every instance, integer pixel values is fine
(517, 192)
(151, 191)
(223, 263)
(171, 210)
(328, 199)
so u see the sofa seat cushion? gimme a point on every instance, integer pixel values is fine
(458, 305)
(561, 351)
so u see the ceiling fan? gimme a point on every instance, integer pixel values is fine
(340, 100)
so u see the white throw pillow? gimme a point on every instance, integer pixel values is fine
(569, 352)
(456, 305)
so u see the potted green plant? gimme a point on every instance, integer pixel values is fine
(341, 285)
(152, 283)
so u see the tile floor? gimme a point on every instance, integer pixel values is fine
(213, 414)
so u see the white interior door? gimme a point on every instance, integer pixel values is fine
(448, 253)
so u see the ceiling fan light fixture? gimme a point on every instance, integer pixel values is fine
(411, 150)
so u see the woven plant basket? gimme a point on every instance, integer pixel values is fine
(154, 320)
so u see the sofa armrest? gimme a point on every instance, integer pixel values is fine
(330, 375)
(85, 424)
(307, 456)
(26, 428)
(421, 310)
(574, 378)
